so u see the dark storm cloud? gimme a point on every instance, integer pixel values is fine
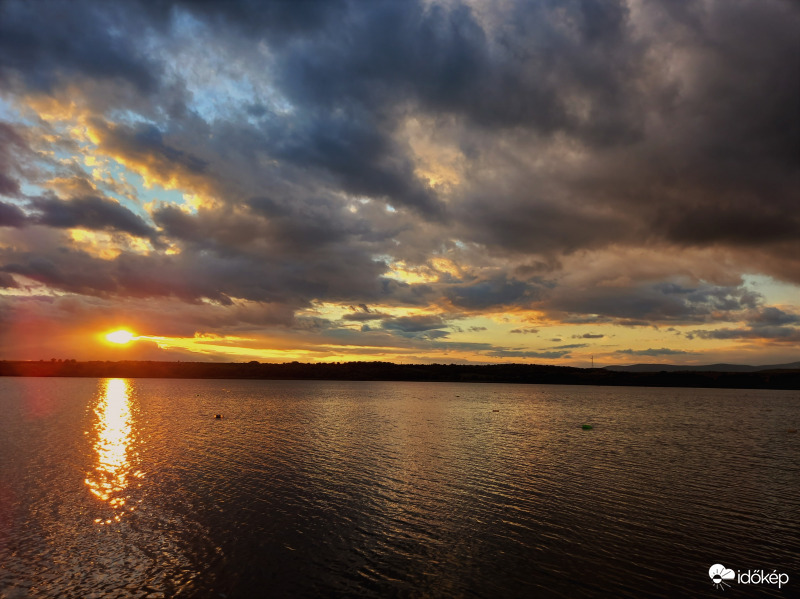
(279, 21)
(443, 58)
(8, 186)
(660, 302)
(312, 223)
(298, 250)
(493, 292)
(737, 225)
(216, 274)
(361, 155)
(592, 71)
(517, 220)
(724, 176)
(45, 41)
(730, 174)
(444, 61)
(91, 212)
(576, 127)
(11, 215)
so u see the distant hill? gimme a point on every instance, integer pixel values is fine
(706, 368)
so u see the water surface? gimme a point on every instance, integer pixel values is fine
(131, 488)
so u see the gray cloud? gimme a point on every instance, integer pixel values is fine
(359, 154)
(767, 324)
(91, 212)
(11, 215)
(771, 316)
(565, 130)
(145, 143)
(12, 145)
(511, 353)
(364, 314)
(782, 334)
(663, 302)
(492, 292)
(653, 352)
(413, 324)
(38, 42)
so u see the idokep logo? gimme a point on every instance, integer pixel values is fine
(719, 574)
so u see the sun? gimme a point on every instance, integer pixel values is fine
(121, 336)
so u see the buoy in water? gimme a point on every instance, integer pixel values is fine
(586, 427)
(218, 416)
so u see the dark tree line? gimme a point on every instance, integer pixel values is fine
(387, 371)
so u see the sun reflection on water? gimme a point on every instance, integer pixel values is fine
(110, 479)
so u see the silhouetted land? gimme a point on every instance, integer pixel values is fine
(386, 371)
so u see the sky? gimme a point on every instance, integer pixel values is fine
(547, 182)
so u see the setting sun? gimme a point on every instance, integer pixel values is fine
(122, 336)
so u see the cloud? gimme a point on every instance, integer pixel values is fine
(359, 155)
(7, 281)
(772, 316)
(413, 324)
(614, 163)
(37, 42)
(143, 146)
(364, 316)
(653, 352)
(12, 148)
(660, 302)
(511, 353)
(768, 324)
(776, 334)
(90, 212)
(569, 346)
(11, 216)
(495, 291)
(524, 331)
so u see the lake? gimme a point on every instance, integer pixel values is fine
(132, 488)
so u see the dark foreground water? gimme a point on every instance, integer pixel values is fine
(131, 488)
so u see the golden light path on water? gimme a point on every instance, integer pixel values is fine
(113, 448)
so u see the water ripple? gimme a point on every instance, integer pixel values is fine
(389, 489)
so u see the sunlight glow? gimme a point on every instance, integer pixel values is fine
(113, 427)
(121, 336)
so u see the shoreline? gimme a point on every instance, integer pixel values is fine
(788, 379)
